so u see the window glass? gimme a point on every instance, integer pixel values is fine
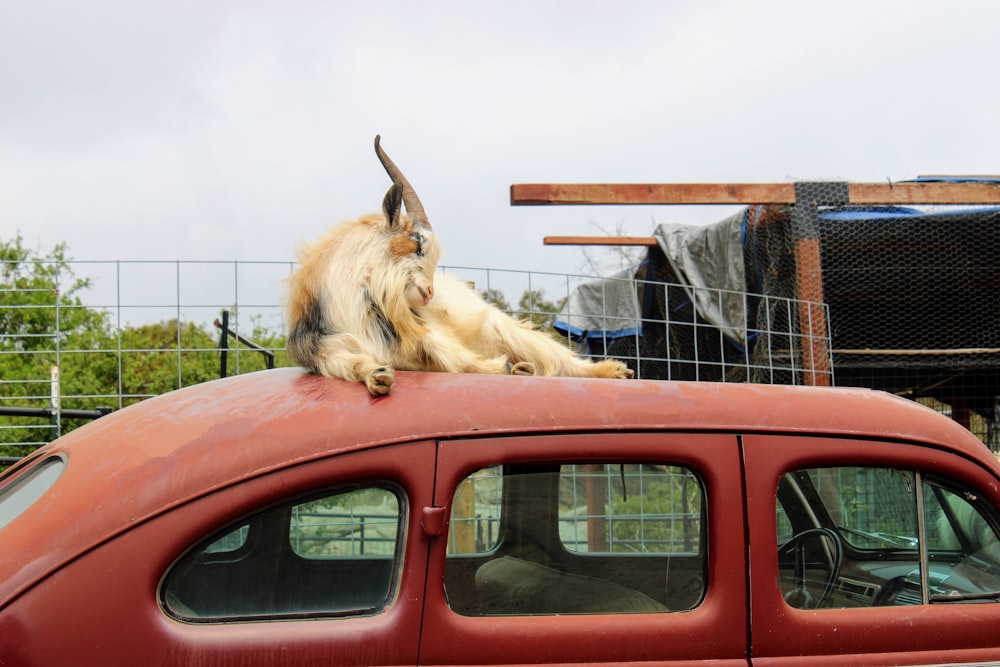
(873, 508)
(357, 523)
(23, 491)
(576, 538)
(956, 529)
(629, 509)
(333, 555)
(851, 537)
(232, 541)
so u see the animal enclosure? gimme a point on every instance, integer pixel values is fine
(910, 273)
(890, 297)
(143, 328)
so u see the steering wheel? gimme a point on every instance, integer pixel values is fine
(799, 596)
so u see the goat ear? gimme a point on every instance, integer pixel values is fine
(392, 205)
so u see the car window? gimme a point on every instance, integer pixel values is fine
(331, 555)
(357, 523)
(22, 491)
(867, 536)
(576, 538)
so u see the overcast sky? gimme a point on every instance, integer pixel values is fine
(160, 129)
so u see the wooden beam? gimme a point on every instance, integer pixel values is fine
(600, 240)
(528, 194)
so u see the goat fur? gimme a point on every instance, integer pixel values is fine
(366, 301)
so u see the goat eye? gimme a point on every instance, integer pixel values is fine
(419, 240)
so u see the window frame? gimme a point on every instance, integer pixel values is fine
(451, 638)
(276, 518)
(28, 485)
(528, 509)
(881, 634)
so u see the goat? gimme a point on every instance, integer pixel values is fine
(365, 301)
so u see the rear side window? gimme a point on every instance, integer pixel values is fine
(332, 555)
(577, 539)
(21, 492)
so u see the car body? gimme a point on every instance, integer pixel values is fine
(281, 518)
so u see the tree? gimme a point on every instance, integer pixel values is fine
(44, 324)
(497, 298)
(41, 315)
(157, 358)
(531, 306)
(534, 306)
(610, 260)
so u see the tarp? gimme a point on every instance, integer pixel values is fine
(601, 309)
(708, 261)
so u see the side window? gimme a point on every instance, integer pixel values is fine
(957, 530)
(862, 537)
(21, 493)
(332, 555)
(576, 539)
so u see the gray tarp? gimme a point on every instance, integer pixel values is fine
(708, 260)
(606, 308)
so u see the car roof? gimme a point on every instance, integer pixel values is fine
(133, 464)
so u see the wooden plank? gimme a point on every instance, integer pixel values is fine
(522, 194)
(963, 351)
(924, 193)
(528, 194)
(600, 240)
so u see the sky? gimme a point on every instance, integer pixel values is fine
(214, 130)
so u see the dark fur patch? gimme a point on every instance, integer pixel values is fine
(306, 335)
(380, 321)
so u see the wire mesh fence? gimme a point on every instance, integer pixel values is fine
(912, 292)
(81, 338)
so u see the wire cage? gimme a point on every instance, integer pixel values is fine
(912, 296)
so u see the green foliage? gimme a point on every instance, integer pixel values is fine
(664, 518)
(45, 324)
(531, 306)
(156, 358)
(534, 306)
(39, 292)
(41, 314)
(497, 298)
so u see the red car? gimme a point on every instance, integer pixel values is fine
(281, 518)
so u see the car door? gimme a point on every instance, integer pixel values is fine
(586, 548)
(870, 552)
(322, 562)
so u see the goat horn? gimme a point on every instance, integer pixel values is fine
(410, 198)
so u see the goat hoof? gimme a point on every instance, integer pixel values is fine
(380, 381)
(624, 373)
(611, 368)
(522, 368)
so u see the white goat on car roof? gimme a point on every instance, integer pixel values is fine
(365, 301)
